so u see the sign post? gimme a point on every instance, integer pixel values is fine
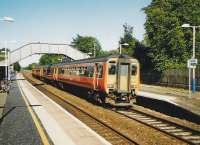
(189, 78)
(191, 64)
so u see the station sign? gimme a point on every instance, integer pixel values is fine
(191, 63)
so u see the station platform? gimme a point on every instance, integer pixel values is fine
(30, 117)
(16, 124)
(175, 96)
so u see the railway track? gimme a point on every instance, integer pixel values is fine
(183, 133)
(173, 129)
(109, 133)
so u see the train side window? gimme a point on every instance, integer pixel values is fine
(112, 69)
(81, 71)
(77, 71)
(48, 71)
(86, 72)
(65, 71)
(51, 71)
(60, 71)
(100, 71)
(133, 70)
(90, 70)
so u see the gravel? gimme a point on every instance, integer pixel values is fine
(140, 133)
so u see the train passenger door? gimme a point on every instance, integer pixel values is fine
(112, 72)
(98, 75)
(55, 73)
(123, 77)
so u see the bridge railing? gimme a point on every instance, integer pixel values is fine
(45, 48)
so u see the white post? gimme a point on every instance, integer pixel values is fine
(189, 82)
(6, 70)
(5, 63)
(94, 50)
(193, 56)
(8, 65)
(194, 31)
(120, 49)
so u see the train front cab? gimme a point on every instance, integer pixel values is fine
(122, 79)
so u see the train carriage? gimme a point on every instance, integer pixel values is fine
(38, 72)
(116, 77)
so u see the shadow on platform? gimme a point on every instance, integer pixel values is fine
(13, 108)
(168, 109)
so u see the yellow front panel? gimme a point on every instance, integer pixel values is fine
(123, 78)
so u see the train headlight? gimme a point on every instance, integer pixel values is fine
(110, 85)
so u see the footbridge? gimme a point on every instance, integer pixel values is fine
(45, 48)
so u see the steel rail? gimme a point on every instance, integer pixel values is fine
(192, 136)
(124, 139)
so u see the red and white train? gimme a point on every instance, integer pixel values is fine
(116, 76)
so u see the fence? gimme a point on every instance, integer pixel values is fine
(172, 77)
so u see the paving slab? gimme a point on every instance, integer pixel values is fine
(16, 124)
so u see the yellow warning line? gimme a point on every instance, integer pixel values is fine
(40, 130)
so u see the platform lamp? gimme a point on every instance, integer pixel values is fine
(120, 47)
(7, 19)
(193, 53)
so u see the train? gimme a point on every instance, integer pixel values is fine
(115, 77)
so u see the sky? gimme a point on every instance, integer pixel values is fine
(58, 21)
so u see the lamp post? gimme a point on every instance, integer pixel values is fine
(5, 62)
(193, 55)
(7, 58)
(120, 47)
(6, 19)
(94, 50)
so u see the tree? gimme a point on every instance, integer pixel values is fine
(128, 38)
(170, 43)
(108, 53)
(86, 44)
(136, 49)
(31, 66)
(50, 59)
(17, 66)
(142, 54)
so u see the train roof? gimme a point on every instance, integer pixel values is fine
(90, 60)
